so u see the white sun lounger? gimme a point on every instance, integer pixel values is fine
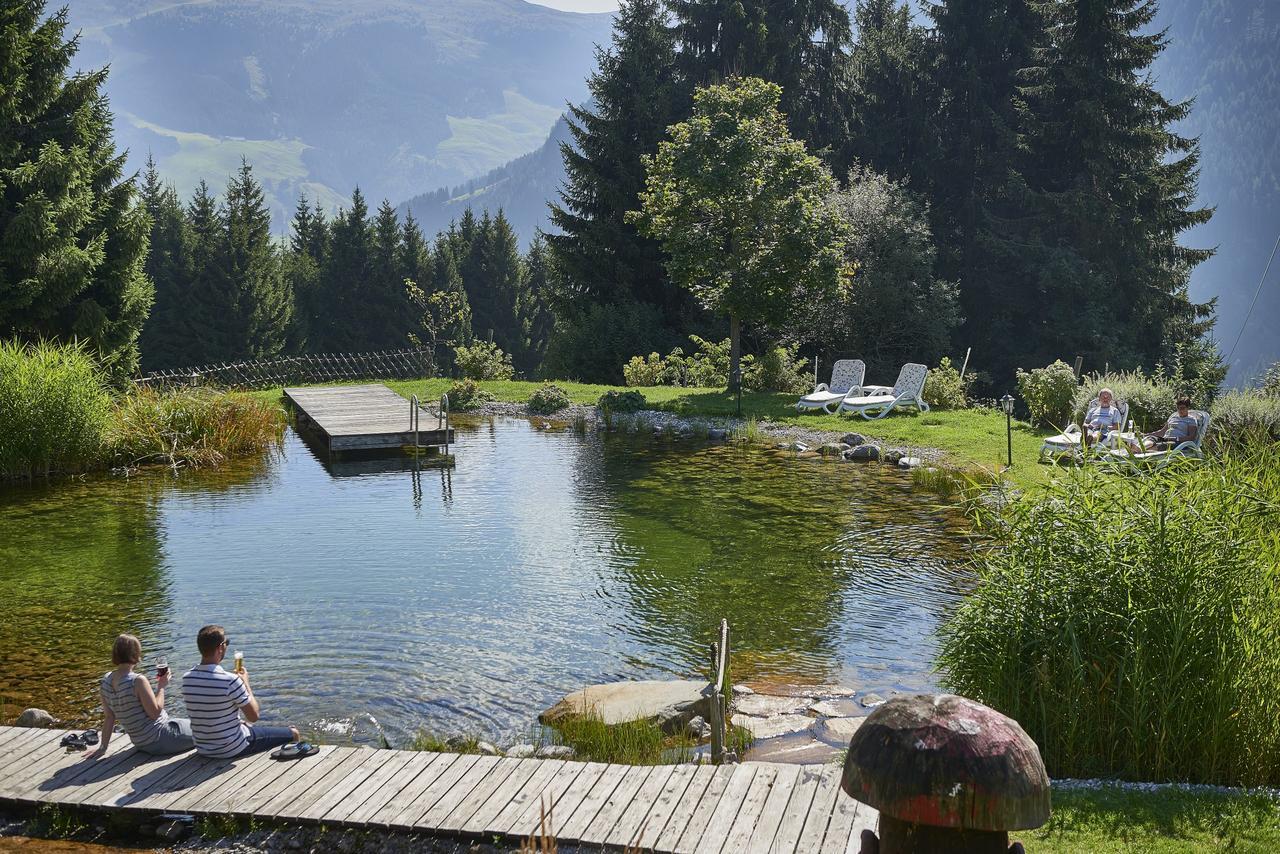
(1159, 459)
(907, 391)
(1069, 441)
(846, 381)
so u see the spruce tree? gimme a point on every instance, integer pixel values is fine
(536, 315)
(635, 95)
(982, 46)
(802, 45)
(166, 339)
(415, 254)
(303, 262)
(451, 324)
(251, 264)
(73, 241)
(494, 281)
(341, 314)
(387, 316)
(1113, 187)
(210, 310)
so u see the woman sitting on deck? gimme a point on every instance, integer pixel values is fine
(127, 698)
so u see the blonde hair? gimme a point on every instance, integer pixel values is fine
(126, 650)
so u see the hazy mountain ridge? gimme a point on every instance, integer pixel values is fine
(396, 96)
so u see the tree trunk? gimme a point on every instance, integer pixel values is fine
(735, 351)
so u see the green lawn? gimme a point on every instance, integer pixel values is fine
(971, 437)
(1116, 820)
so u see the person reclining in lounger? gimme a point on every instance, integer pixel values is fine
(1181, 427)
(215, 700)
(1102, 418)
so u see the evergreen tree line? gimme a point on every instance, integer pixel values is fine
(1029, 135)
(356, 281)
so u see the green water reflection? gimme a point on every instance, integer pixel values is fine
(372, 595)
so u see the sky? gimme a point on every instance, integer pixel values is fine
(579, 5)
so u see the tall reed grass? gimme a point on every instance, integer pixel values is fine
(1132, 625)
(54, 410)
(191, 427)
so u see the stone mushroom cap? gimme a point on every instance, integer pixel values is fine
(942, 760)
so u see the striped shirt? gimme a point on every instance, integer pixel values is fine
(120, 697)
(214, 697)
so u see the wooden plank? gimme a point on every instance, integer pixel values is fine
(428, 767)
(628, 827)
(664, 805)
(88, 790)
(476, 798)
(378, 788)
(797, 811)
(8, 734)
(774, 809)
(824, 804)
(269, 777)
(285, 791)
(503, 795)
(184, 788)
(298, 796)
(458, 792)
(571, 826)
(439, 788)
(132, 787)
(340, 787)
(212, 795)
(27, 784)
(546, 785)
(744, 825)
(704, 809)
(566, 801)
(866, 819)
(842, 823)
(92, 774)
(31, 756)
(685, 807)
(613, 809)
(35, 740)
(726, 811)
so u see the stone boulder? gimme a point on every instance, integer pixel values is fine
(837, 731)
(853, 440)
(768, 705)
(910, 462)
(892, 456)
(870, 453)
(555, 751)
(670, 704)
(772, 727)
(798, 447)
(37, 718)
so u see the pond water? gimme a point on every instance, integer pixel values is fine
(368, 595)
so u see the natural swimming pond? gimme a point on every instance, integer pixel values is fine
(468, 599)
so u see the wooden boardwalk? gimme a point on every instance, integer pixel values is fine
(751, 807)
(364, 417)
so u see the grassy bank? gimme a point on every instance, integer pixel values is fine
(969, 437)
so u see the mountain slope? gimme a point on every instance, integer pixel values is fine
(396, 96)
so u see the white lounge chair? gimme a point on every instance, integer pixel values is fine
(1145, 460)
(907, 391)
(1069, 443)
(846, 381)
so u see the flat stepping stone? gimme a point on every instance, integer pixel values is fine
(774, 726)
(768, 705)
(837, 731)
(840, 707)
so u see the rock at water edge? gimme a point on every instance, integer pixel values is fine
(768, 705)
(774, 726)
(837, 731)
(521, 751)
(853, 440)
(37, 718)
(555, 751)
(671, 704)
(863, 452)
(833, 449)
(841, 707)
(872, 700)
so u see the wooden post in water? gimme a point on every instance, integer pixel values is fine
(719, 667)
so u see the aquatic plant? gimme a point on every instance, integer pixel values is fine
(54, 409)
(1131, 624)
(748, 431)
(190, 427)
(947, 481)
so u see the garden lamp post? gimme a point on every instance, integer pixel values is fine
(1006, 403)
(737, 387)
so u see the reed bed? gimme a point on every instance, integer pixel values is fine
(54, 410)
(1132, 624)
(191, 427)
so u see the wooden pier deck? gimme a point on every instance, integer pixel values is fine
(364, 417)
(751, 807)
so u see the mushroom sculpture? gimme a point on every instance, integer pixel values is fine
(947, 775)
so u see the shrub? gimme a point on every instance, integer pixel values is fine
(465, 395)
(1150, 399)
(1246, 417)
(944, 388)
(593, 344)
(643, 372)
(483, 360)
(191, 427)
(622, 401)
(1049, 393)
(779, 369)
(1131, 624)
(1270, 382)
(548, 399)
(54, 409)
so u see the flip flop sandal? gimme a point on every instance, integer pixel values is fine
(89, 737)
(296, 750)
(73, 741)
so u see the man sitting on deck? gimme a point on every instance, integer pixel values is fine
(215, 700)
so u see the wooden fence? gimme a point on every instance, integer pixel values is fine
(406, 364)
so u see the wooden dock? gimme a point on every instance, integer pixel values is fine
(750, 807)
(365, 417)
